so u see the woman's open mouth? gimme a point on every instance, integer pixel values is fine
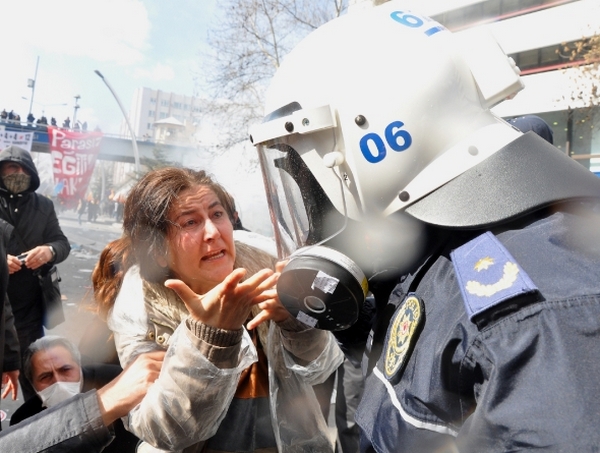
(214, 256)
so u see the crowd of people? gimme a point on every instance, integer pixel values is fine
(11, 117)
(92, 208)
(460, 310)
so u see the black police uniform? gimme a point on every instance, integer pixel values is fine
(492, 344)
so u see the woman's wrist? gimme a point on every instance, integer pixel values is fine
(213, 335)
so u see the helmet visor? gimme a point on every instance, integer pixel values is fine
(301, 212)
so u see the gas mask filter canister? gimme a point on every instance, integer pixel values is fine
(322, 288)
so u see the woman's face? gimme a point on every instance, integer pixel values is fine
(200, 248)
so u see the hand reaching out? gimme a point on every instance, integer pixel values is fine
(124, 392)
(271, 307)
(227, 306)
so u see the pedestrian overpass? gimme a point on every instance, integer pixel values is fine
(119, 148)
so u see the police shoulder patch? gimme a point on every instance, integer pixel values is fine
(401, 335)
(487, 274)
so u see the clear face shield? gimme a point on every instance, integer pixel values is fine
(320, 286)
(301, 212)
(319, 225)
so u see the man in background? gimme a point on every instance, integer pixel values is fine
(37, 239)
(53, 367)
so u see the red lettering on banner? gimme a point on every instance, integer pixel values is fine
(73, 160)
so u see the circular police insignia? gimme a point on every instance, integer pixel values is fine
(400, 335)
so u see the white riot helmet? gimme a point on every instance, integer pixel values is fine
(369, 114)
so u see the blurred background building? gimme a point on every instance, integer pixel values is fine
(164, 117)
(556, 45)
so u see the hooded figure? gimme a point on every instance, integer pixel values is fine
(37, 234)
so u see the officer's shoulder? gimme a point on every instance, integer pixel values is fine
(489, 277)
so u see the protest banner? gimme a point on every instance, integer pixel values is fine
(73, 159)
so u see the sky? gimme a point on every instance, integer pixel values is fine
(133, 43)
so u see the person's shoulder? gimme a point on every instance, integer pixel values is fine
(44, 203)
(28, 409)
(129, 306)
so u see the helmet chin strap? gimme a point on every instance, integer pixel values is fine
(345, 209)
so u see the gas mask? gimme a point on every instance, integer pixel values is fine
(369, 114)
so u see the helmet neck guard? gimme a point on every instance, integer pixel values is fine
(526, 175)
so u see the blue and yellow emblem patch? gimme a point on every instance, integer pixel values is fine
(488, 275)
(401, 335)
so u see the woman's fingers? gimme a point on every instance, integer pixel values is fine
(228, 304)
(232, 280)
(260, 282)
(271, 308)
(258, 320)
(182, 290)
(280, 265)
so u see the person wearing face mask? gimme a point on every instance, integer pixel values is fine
(53, 367)
(85, 422)
(37, 238)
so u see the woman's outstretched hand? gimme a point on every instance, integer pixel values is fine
(271, 307)
(227, 306)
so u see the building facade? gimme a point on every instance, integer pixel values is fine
(540, 35)
(151, 107)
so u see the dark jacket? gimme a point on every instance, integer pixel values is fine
(94, 377)
(35, 223)
(514, 373)
(9, 344)
(491, 344)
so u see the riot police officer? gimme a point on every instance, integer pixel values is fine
(386, 172)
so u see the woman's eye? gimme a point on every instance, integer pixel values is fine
(218, 214)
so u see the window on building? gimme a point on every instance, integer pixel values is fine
(164, 103)
(528, 59)
(549, 56)
(152, 100)
(544, 57)
(162, 115)
(151, 113)
(487, 11)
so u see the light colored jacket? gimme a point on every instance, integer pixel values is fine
(198, 380)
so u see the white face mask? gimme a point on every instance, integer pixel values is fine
(59, 392)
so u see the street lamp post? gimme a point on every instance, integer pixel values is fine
(31, 83)
(136, 154)
(77, 97)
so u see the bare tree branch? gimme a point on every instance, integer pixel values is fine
(584, 56)
(247, 46)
